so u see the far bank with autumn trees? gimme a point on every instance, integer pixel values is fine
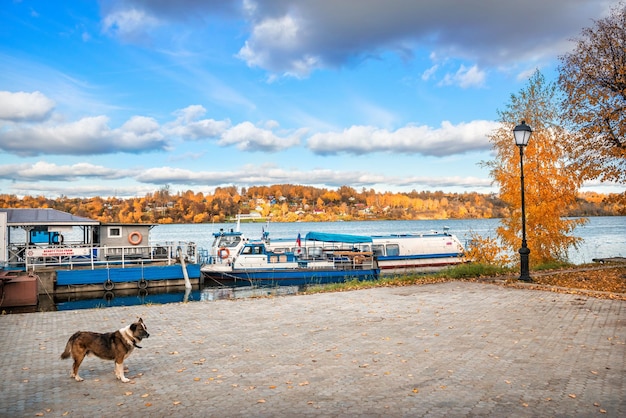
(292, 203)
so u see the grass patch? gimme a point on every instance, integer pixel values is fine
(461, 271)
(472, 270)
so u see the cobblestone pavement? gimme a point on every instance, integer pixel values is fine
(452, 350)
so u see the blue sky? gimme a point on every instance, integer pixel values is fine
(122, 98)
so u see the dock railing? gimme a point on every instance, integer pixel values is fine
(81, 256)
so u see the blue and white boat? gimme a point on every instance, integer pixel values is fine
(395, 253)
(333, 258)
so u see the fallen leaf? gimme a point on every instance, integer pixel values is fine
(176, 403)
(261, 401)
(148, 404)
(128, 393)
(416, 390)
(572, 395)
(145, 395)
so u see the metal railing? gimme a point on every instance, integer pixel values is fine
(33, 257)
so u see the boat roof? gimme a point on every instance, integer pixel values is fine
(328, 237)
(42, 217)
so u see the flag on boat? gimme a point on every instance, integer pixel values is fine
(298, 250)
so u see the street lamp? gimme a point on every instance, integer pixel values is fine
(522, 134)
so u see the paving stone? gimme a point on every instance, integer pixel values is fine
(451, 349)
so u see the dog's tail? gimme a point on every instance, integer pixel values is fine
(68, 348)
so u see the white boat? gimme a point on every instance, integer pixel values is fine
(395, 253)
(400, 253)
(334, 258)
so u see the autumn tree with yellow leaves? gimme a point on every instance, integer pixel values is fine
(551, 185)
(593, 80)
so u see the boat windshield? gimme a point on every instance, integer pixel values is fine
(227, 241)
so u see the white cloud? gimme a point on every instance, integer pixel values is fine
(130, 24)
(446, 140)
(465, 77)
(248, 137)
(189, 126)
(45, 171)
(23, 106)
(86, 136)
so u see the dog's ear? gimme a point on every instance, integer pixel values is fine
(140, 321)
(133, 327)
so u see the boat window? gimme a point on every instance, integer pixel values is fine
(258, 250)
(115, 232)
(315, 252)
(231, 241)
(246, 250)
(378, 250)
(393, 249)
(227, 241)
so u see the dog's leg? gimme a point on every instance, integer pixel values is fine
(78, 359)
(119, 372)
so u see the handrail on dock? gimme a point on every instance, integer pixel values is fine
(33, 257)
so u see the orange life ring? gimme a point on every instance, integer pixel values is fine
(135, 238)
(223, 253)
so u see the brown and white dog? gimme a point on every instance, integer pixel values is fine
(108, 346)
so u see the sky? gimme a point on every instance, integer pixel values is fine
(123, 98)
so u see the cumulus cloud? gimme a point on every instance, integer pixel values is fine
(465, 77)
(248, 137)
(45, 171)
(131, 24)
(267, 174)
(189, 126)
(23, 106)
(86, 136)
(448, 139)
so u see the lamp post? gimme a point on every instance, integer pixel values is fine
(522, 134)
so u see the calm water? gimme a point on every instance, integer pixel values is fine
(603, 236)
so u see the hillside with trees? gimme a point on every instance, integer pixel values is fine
(291, 203)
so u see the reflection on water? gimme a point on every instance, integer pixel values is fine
(152, 296)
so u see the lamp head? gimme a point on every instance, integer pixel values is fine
(522, 134)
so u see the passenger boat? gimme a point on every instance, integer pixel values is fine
(395, 253)
(331, 258)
